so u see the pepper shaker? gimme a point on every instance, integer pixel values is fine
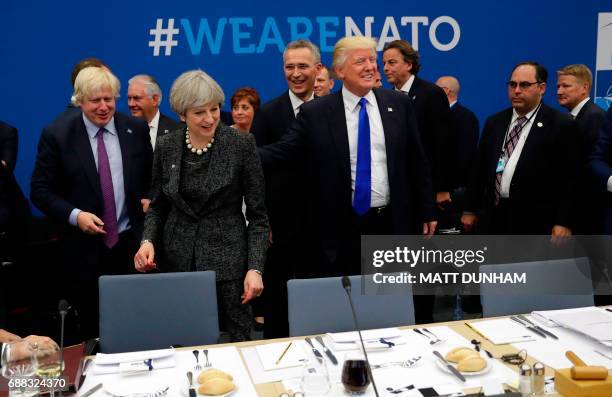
(538, 379)
(525, 380)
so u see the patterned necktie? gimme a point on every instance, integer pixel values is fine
(511, 142)
(109, 214)
(363, 175)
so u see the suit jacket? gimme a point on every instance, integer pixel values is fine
(601, 166)
(166, 125)
(65, 177)
(215, 238)
(467, 132)
(542, 191)
(13, 204)
(591, 199)
(283, 193)
(319, 139)
(435, 124)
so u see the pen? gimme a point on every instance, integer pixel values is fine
(283, 353)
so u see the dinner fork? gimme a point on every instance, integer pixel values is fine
(418, 331)
(196, 353)
(436, 340)
(208, 363)
(404, 364)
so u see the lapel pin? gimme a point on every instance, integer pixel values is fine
(389, 109)
(173, 166)
(540, 124)
(129, 131)
(165, 131)
(414, 97)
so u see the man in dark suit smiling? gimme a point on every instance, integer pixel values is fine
(92, 169)
(366, 172)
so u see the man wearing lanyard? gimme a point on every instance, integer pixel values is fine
(523, 180)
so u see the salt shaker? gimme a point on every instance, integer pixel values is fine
(538, 379)
(525, 380)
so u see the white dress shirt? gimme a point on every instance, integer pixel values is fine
(297, 102)
(516, 153)
(579, 107)
(380, 177)
(153, 127)
(407, 85)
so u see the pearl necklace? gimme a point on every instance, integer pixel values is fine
(193, 149)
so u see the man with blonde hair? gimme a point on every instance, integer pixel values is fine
(92, 169)
(573, 87)
(365, 166)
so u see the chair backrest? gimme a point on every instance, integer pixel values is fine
(564, 274)
(153, 311)
(320, 305)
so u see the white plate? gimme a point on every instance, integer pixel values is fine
(444, 368)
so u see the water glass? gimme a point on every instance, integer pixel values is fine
(315, 378)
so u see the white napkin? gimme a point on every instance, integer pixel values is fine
(122, 362)
(502, 331)
(371, 339)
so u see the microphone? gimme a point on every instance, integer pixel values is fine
(346, 284)
(63, 308)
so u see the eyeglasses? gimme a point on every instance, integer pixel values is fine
(523, 85)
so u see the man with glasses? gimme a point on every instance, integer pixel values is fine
(524, 177)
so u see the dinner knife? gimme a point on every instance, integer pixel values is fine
(314, 349)
(327, 351)
(452, 369)
(522, 317)
(529, 327)
(92, 390)
(192, 390)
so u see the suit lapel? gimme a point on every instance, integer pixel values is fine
(537, 133)
(340, 135)
(173, 158)
(218, 166)
(83, 148)
(126, 136)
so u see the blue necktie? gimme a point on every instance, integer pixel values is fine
(363, 177)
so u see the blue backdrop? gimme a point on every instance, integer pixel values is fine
(240, 43)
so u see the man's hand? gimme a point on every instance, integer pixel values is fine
(144, 260)
(560, 234)
(429, 228)
(253, 285)
(443, 199)
(43, 344)
(468, 221)
(145, 205)
(89, 223)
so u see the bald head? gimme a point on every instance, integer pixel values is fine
(450, 85)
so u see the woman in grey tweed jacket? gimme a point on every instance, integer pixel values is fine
(195, 220)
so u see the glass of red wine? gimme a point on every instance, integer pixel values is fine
(355, 374)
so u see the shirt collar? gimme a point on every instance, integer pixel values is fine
(453, 103)
(351, 101)
(154, 123)
(297, 102)
(407, 85)
(515, 115)
(93, 129)
(579, 107)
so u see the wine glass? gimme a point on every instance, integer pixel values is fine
(19, 362)
(315, 378)
(355, 374)
(50, 365)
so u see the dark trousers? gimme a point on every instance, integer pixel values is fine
(280, 267)
(83, 291)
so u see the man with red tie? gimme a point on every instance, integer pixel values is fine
(92, 169)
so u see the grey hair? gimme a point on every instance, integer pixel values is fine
(192, 89)
(351, 43)
(294, 45)
(151, 87)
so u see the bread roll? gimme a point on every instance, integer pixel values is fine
(216, 386)
(472, 364)
(460, 353)
(213, 373)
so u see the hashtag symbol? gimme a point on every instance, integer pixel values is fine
(160, 32)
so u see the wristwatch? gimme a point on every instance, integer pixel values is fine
(256, 271)
(145, 241)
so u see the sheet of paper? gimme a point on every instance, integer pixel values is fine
(502, 331)
(270, 353)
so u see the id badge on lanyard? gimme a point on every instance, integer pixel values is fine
(501, 163)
